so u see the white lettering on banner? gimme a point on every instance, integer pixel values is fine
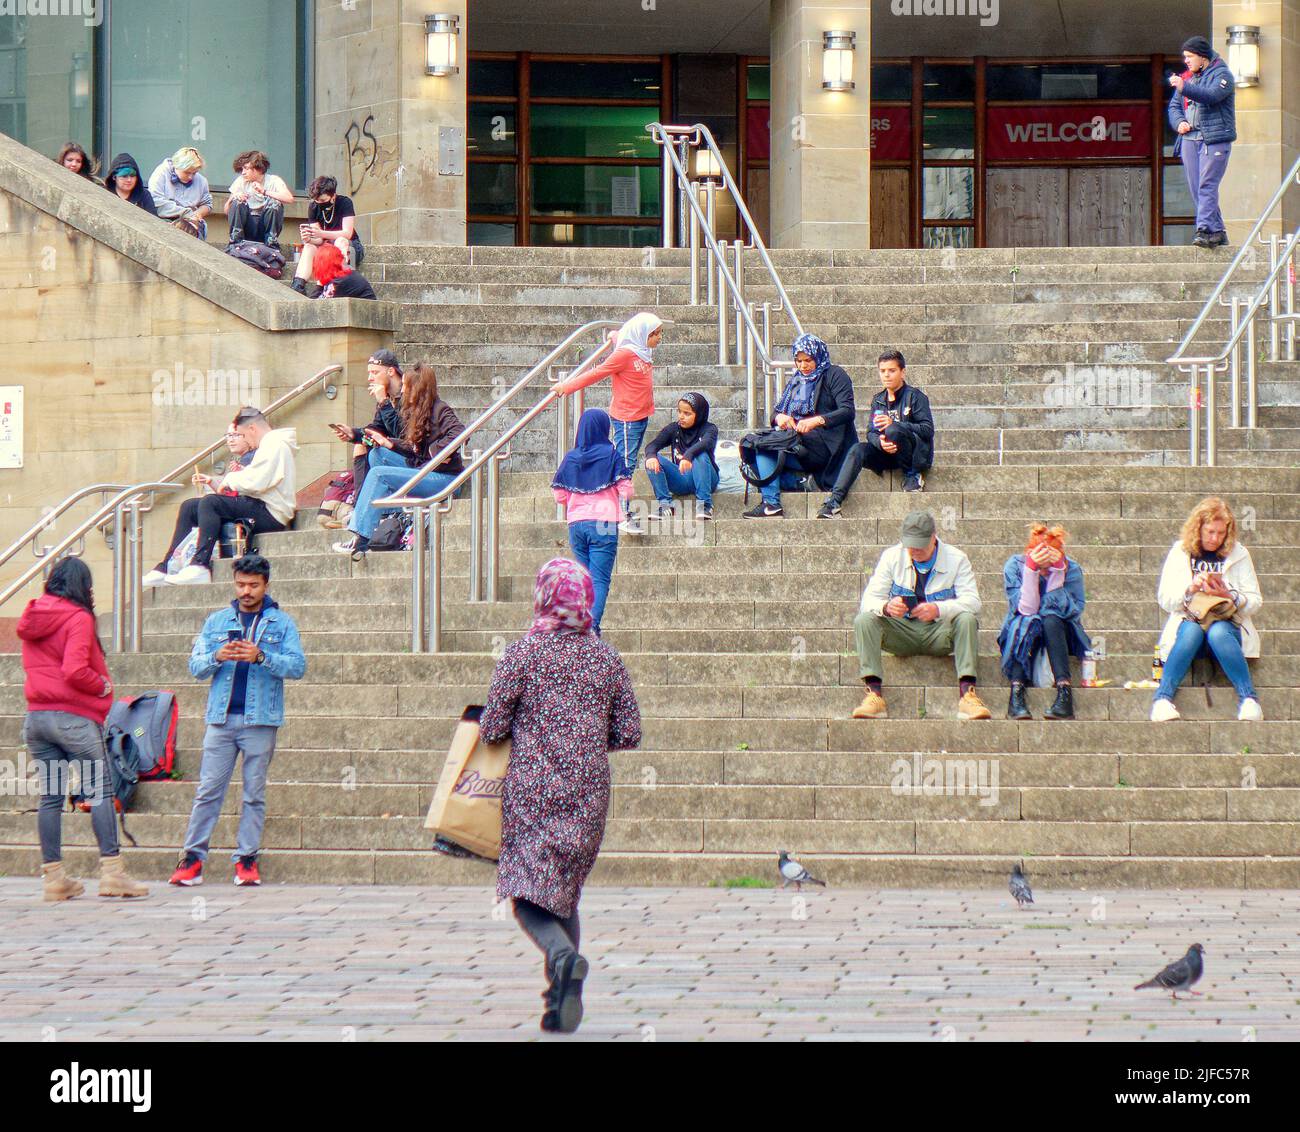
(987, 10)
(1048, 133)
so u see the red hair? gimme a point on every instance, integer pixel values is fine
(1041, 535)
(329, 265)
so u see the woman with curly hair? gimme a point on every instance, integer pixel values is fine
(429, 424)
(76, 160)
(1207, 559)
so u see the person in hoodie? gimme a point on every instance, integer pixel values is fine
(336, 279)
(632, 403)
(691, 467)
(264, 498)
(124, 179)
(592, 484)
(180, 192)
(248, 650)
(68, 694)
(1203, 112)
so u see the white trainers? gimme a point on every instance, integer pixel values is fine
(153, 578)
(1163, 710)
(191, 576)
(1250, 709)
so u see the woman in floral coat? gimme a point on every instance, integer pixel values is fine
(565, 700)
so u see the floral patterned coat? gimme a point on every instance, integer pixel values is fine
(565, 700)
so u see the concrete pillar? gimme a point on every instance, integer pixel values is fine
(378, 117)
(821, 157)
(1268, 116)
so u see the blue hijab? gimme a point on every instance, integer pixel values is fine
(800, 393)
(593, 463)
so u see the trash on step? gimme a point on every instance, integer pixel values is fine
(1135, 685)
(1095, 683)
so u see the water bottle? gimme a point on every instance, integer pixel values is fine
(1089, 670)
(1157, 666)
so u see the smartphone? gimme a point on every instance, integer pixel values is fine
(911, 603)
(368, 441)
(234, 635)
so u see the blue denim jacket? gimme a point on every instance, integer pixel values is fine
(277, 636)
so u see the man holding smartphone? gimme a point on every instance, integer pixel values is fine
(249, 651)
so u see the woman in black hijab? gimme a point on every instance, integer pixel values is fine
(125, 180)
(692, 466)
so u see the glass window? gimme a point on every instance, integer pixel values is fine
(949, 193)
(596, 190)
(758, 81)
(952, 83)
(594, 236)
(947, 237)
(45, 80)
(593, 131)
(492, 188)
(491, 128)
(595, 80)
(495, 235)
(949, 133)
(492, 77)
(1177, 196)
(1179, 234)
(891, 81)
(1068, 81)
(225, 83)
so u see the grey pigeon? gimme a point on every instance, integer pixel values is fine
(1018, 886)
(1181, 974)
(794, 873)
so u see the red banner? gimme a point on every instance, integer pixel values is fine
(758, 136)
(1055, 133)
(891, 133)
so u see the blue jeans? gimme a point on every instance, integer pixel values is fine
(388, 471)
(1205, 166)
(595, 546)
(222, 743)
(701, 480)
(788, 481)
(58, 740)
(1222, 642)
(627, 437)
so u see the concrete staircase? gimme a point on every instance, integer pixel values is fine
(738, 632)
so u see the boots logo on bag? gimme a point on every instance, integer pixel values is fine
(474, 785)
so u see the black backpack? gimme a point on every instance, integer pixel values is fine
(268, 260)
(779, 442)
(392, 531)
(124, 776)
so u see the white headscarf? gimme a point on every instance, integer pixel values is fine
(635, 334)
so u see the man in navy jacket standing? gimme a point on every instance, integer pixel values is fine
(1203, 112)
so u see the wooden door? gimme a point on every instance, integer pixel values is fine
(890, 208)
(1110, 207)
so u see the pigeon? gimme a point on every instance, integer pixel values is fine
(794, 873)
(1018, 886)
(1181, 974)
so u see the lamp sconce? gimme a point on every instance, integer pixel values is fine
(1243, 54)
(80, 78)
(441, 32)
(707, 167)
(837, 59)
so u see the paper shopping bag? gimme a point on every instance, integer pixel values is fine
(466, 807)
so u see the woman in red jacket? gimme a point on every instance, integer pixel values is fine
(68, 696)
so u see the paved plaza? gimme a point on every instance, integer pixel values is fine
(371, 963)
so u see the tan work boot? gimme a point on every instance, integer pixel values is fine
(970, 706)
(871, 707)
(113, 880)
(58, 885)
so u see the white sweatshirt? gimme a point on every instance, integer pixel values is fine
(270, 477)
(1238, 574)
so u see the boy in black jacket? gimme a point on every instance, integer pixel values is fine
(693, 464)
(900, 435)
(384, 383)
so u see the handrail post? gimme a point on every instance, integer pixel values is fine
(694, 223)
(1211, 419)
(683, 189)
(711, 219)
(1274, 341)
(738, 251)
(418, 571)
(561, 440)
(1252, 401)
(1234, 365)
(494, 527)
(1194, 416)
(722, 310)
(134, 573)
(435, 578)
(119, 580)
(667, 193)
(476, 529)
(1289, 294)
(751, 393)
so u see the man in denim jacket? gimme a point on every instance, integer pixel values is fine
(249, 650)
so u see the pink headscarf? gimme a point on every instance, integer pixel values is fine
(562, 598)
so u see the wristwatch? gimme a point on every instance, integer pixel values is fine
(260, 658)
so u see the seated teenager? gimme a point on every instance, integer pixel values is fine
(900, 435)
(124, 180)
(817, 403)
(921, 601)
(1207, 562)
(76, 160)
(264, 498)
(384, 384)
(691, 466)
(180, 192)
(257, 199)
(429, 424)
(337, 280)
(331, 219)
(241, 454)
(1044, 620)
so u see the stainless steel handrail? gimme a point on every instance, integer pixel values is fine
(48, 520)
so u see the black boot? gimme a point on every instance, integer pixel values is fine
(570, 972)
(1063, 706)
(1017, 707)
(299, 285)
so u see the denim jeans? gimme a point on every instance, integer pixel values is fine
(1222, 642)
(788, 481)
(222, 743)
(388, 471)
(627, 437)
(56, 739)
(595, 546)
(701, 480)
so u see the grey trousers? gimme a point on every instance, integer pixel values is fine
(60, 740)
(222, 743)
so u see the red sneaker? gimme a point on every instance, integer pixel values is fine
(246, 871)
(189, 871)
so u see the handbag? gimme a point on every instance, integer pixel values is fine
(783, 443)
(466, 807)
(1205, 609)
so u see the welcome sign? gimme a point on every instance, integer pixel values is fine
(1066, 133)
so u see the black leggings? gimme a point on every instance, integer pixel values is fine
(209, 514)
(1058, 651)
(550, 932)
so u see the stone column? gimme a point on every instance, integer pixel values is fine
(1268, 116)
(821, 157)
(378, 117)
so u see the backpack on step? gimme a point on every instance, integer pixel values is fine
(123, 777)
(268, 260)
(393, 531)
(150, 720)
(779, 443)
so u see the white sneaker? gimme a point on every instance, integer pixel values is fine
(191, 576)
(1162, 711)
(1250, 709)
(153, 578)
(631, 526)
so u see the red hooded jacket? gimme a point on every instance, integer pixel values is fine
(63, 659)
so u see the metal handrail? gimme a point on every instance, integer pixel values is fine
(47, 520)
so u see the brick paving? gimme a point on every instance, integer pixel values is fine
(374, 963)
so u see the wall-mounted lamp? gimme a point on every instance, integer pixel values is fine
(707, 167)
(1243, 54)
(837, 59)
(440, 35)
(80, 80)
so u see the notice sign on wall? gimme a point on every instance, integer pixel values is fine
(11, 426)
(1064, 133)
(891, 133)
